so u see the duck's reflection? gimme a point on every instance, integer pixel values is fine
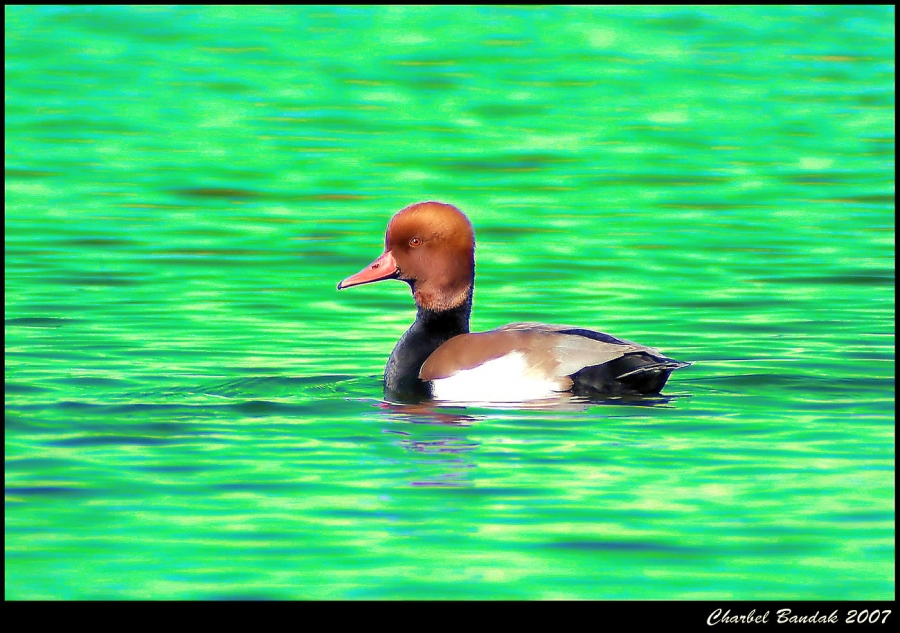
(439, 437)
(428, 413)
(435, 412)
(444, 454)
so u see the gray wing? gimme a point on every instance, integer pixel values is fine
(552, 352)
(572, 348)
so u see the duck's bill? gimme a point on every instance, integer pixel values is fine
(385, 267)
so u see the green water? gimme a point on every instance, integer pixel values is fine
(193, 411)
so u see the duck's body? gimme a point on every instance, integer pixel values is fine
(431, 246)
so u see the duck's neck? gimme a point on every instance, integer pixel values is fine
(430, 330)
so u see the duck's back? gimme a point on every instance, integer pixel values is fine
(524, 361)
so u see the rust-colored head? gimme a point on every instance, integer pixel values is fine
(430, 245)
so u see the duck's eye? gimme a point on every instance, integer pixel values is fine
(415, 241)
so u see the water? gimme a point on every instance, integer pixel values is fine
(193, 411)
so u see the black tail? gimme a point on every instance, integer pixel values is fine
(639, 373)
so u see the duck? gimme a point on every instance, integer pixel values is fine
(431, 246)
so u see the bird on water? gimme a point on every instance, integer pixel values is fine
(431, 246)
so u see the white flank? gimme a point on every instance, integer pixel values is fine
(502, 379)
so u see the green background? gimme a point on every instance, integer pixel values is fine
(193, 411)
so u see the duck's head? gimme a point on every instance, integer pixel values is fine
(431, 246)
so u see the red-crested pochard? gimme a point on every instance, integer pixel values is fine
(431, 246)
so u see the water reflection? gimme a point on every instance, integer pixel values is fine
(443, 455)
(438, 412)
(445, 443)
(427, 413)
